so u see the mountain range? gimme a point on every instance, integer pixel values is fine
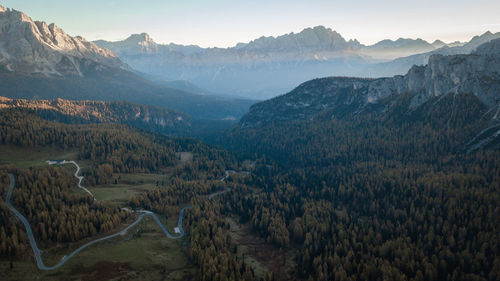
(34, 47)
(41, 61)
(402, 64)
(450, 91)
(269, 66)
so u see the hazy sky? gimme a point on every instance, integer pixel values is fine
(223, 23)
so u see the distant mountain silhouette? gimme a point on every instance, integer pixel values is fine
(267, 66)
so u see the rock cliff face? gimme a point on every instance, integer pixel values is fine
(477, 74)
(133, 45)
(304, 43)
(29, 46)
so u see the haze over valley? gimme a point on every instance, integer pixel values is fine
(270, 66)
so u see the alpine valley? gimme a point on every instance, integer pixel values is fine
(304, 156)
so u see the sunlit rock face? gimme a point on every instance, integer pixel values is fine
(475, 74)
(35, 47)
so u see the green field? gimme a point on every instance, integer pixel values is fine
(142, 254)
(127, 185)
(24, 157)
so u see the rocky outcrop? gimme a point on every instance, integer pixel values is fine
(29, 46)
(308, 41)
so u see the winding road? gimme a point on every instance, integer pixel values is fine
(37, 251)
(80, 178)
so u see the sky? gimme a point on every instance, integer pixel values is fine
(223, 23)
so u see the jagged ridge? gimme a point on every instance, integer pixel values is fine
(29, 46)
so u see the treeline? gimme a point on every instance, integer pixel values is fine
(397, 134)
(167, 198)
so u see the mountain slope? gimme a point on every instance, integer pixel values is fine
(29, 46)
(454, 95)
(476, 74)
(124, 86)
(142, 116)
(366, 173)
(40, 61)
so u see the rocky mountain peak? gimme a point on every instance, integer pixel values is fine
(318, 38)
(491, 48)
(438, 44)
(481, 39)
(138, 38)
(135, 43)
(35, 47)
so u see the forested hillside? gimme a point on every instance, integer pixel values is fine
(44, 192)
(367, 185)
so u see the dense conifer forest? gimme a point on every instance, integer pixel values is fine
(391, 196)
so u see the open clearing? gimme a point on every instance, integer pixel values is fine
(261, 256)
(185, 157)
(127, 186)
(25, 157)
(143, 254)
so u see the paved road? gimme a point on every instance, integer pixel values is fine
(80, 178)
(36, 250)
(227, 173)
